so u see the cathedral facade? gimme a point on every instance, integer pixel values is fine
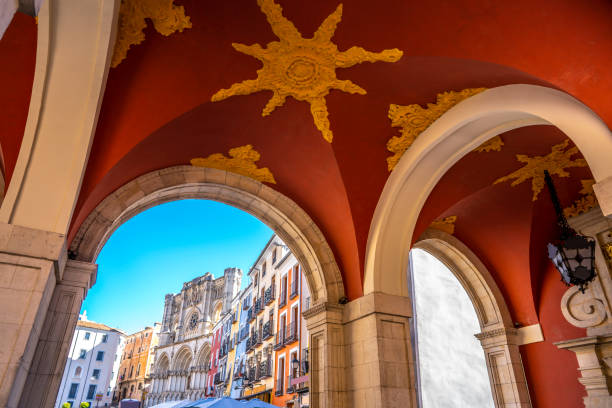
(183, 355)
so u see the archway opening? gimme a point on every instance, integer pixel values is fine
(230, 326)
(452, 370)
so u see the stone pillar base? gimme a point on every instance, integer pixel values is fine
(380, 362)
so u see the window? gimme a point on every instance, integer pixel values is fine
(273, 256)
(83, 354)
(74, 387)
(87, 335)
(96, 374)
(100, 356)
(91, 392)
(131, 371)
(138, 370)
(263, 269)
(77, 371)
(105, 338)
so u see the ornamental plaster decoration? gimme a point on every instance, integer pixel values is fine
(167, 19)
(492, 145)
(582, 309)
(304, 68)
(414, 119)
(585, 203)
(446, 224)
(556, 162)
(242, 161)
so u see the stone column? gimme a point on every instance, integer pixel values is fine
(592, 310)
(594, 356)
(31, 262)
(47, 367)
(508, 383)
(380, 369)
(327, 359)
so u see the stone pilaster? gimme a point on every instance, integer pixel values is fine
(31, 261)
(47, 367)
(380, 365)
(508, 383)
(327, 358)
(594, 356)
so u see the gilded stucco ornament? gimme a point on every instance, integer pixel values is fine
(584, 203)
(414, 119)
(304, 68)
(556, 162)
(241, 160)
(167, 19)
(446, 224)
(492, 145)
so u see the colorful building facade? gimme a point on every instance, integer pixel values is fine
(136, 362)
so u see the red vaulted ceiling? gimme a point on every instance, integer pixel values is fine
(156, 111)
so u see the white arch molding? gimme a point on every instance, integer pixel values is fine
(456, 133)
(281, 214)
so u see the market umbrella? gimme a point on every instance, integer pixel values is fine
(256, 403)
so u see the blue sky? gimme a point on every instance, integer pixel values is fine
(156, 251)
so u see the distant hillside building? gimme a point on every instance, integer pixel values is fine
(136, 361)
(92, 365)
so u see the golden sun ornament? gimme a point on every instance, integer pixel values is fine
(304, 68)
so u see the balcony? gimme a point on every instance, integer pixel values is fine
(294, 289)
(218, 379)
(279, 387)
(291, 333)
(252, 373)
(265, 368)
(268, 329)
(300, 384)
(257, 339)
(290, 387)
(280, 339)
(251, 315)
(283, 298)
(269, 295)
(258, 306)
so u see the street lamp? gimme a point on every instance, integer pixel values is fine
(573, 255)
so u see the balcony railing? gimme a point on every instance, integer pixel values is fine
(280, 339)
(294, 289)
(290, 388)
(268, 329)
(257, 339)
(259, 307)
(269, 295)
(282, 301)
(291, 333)
(218, 378)
(265, 368)
(251, 314)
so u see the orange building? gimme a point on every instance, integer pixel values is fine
(291, 338)
(136, 363)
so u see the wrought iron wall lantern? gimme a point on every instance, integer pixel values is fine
(573, 255)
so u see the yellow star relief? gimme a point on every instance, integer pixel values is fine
(304, 68)
(556, 162)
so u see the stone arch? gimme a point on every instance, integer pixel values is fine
(498, 337)
(456, 133)
(163, 364)
(203, 354)
(280, 213)
(182, 359)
